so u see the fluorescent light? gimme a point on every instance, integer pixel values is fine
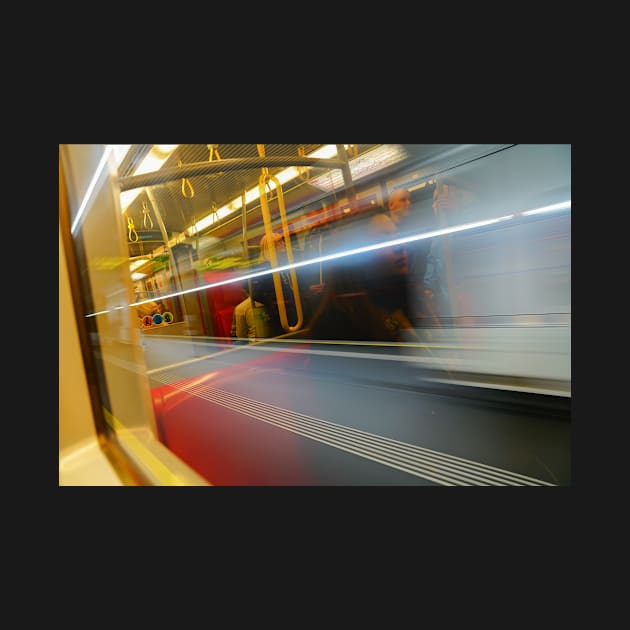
(325, 152)
(165, 148)
(368, 248)
(120, 151)
(361, 166)
(200, 225)
(358, 250)
(127, 197)
(154, 159)
(90, 188)
(343, 254)
(556, 206)
(152, 162)
(137, 263)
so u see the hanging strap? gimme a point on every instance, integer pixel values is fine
(147, 220)
(187, 190)
(133, 235)
(214, 151)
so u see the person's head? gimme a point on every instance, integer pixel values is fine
(391, 261)
(277, 241)
(399, 203)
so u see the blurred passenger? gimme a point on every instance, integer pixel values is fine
(263, 287)
(363, 300)
(388, 281)
(398, 204)
(436, 287)
(244, 319)
(411, 221)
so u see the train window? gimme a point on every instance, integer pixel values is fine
(328, 314)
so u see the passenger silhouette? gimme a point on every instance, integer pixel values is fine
(263, 287)
(365, 296)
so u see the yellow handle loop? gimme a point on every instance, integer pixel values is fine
(186, 183)
(147, 220)
(265, 173)
(214, 151)
(133, 235)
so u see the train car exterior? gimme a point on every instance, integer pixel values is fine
(409, 309)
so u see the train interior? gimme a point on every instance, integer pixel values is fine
(424, 346)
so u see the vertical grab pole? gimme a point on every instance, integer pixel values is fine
(347, 176)
(172, 260)
(282, 309)
(245, 247)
